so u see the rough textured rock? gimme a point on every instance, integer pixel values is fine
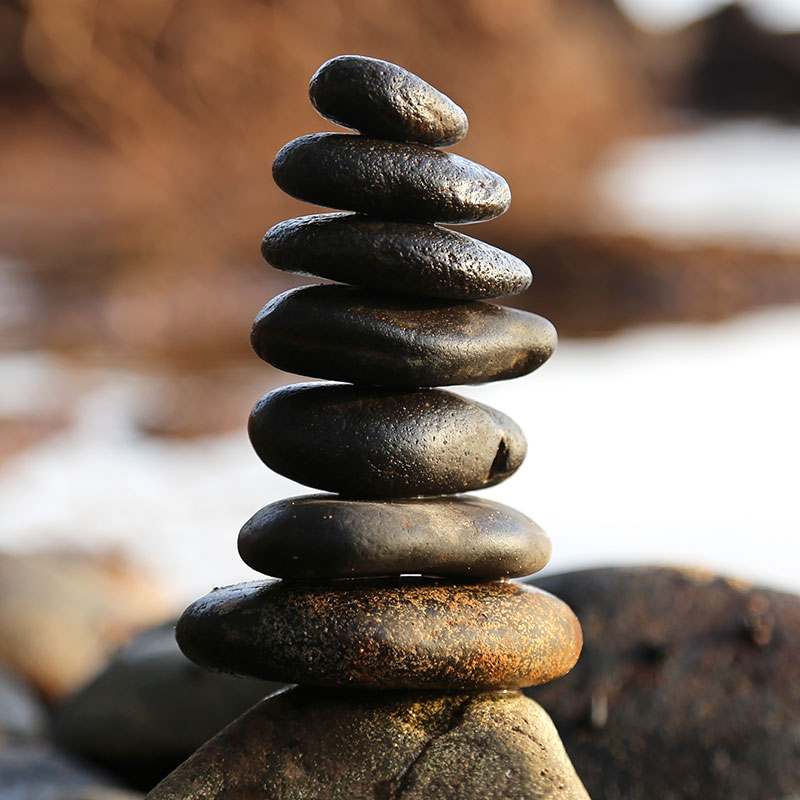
(383, 100)
(324, 536)
(345, 333)
(23, 718)
(380, 443)
(689, 686)
(409, 633)
(381, 746)
(150, 709)
(389, 179)
(403, 257)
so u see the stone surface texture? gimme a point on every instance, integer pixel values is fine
(325, 536)
(345, 333)
(409, 633)
(380, 99)
(329, 745)
(389, 179)
(405, 257)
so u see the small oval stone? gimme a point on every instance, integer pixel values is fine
(324, 536)
(389, 179)
(380, 99)
(344, 333)
(379, 443)
(410, 633)
(407, 257)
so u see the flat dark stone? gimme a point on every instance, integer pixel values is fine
(348, 745)
(407, 257)
(398, 180)
(384, 633)
(344, 333)
(379, 443)
(383, 100)
(324, 536)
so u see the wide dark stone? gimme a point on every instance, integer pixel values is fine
(348, 334)
(150, 709)
(344, 745)
(389, 179)
(406, 257)
(323, 536)
(379, 443)
(401, 633)
(380, 99)
(689, 686)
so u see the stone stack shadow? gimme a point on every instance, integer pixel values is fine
(392, 580)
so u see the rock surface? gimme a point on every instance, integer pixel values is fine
(403, 257)
(689, 686)
(345, 333)
(324, 536)
(389, 179)
(409, 633)
(383, 100)
(150, 709)
(376, 443)
(381, 746)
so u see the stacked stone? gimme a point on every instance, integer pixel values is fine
(393, 580)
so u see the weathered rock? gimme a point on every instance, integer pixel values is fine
(404, 257)
(401, 633)
(23, 718)
(383, 100)
(381, 745)
(389, 179)
(323, 536)
(151, 709)
(379, 443)
(349, 334)
(689, 686)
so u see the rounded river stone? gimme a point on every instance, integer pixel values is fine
(351, 745)
(345, 333)
(381, 443)
(380, 99)
(407, 257)
(384, 633)
(324, 536)
(389, 179)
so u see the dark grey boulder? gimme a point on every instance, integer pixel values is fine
(311, 743)
(688, 686)
(379, 443)
(344, 333)
(383, 100)
(324, 536)
(384, 633)
(405, 257)
(397, 180)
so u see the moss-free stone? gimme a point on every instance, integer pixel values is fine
(344, 333)
(324, 536)
(383, 633)
(379, 443)
(398, 180)
(383, 100)
(404, 257)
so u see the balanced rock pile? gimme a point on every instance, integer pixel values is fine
(393, 581)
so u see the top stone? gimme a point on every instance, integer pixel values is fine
(385, 101)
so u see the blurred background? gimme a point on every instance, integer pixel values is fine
(653, 152)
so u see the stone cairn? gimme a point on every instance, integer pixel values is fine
(393, 581)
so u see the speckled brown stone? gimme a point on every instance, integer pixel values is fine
(389, 179)
(344, 333)
(324, 536)
(380, 443)
(402, 633)
(405, 257)
(381, 99)
(311, 743)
